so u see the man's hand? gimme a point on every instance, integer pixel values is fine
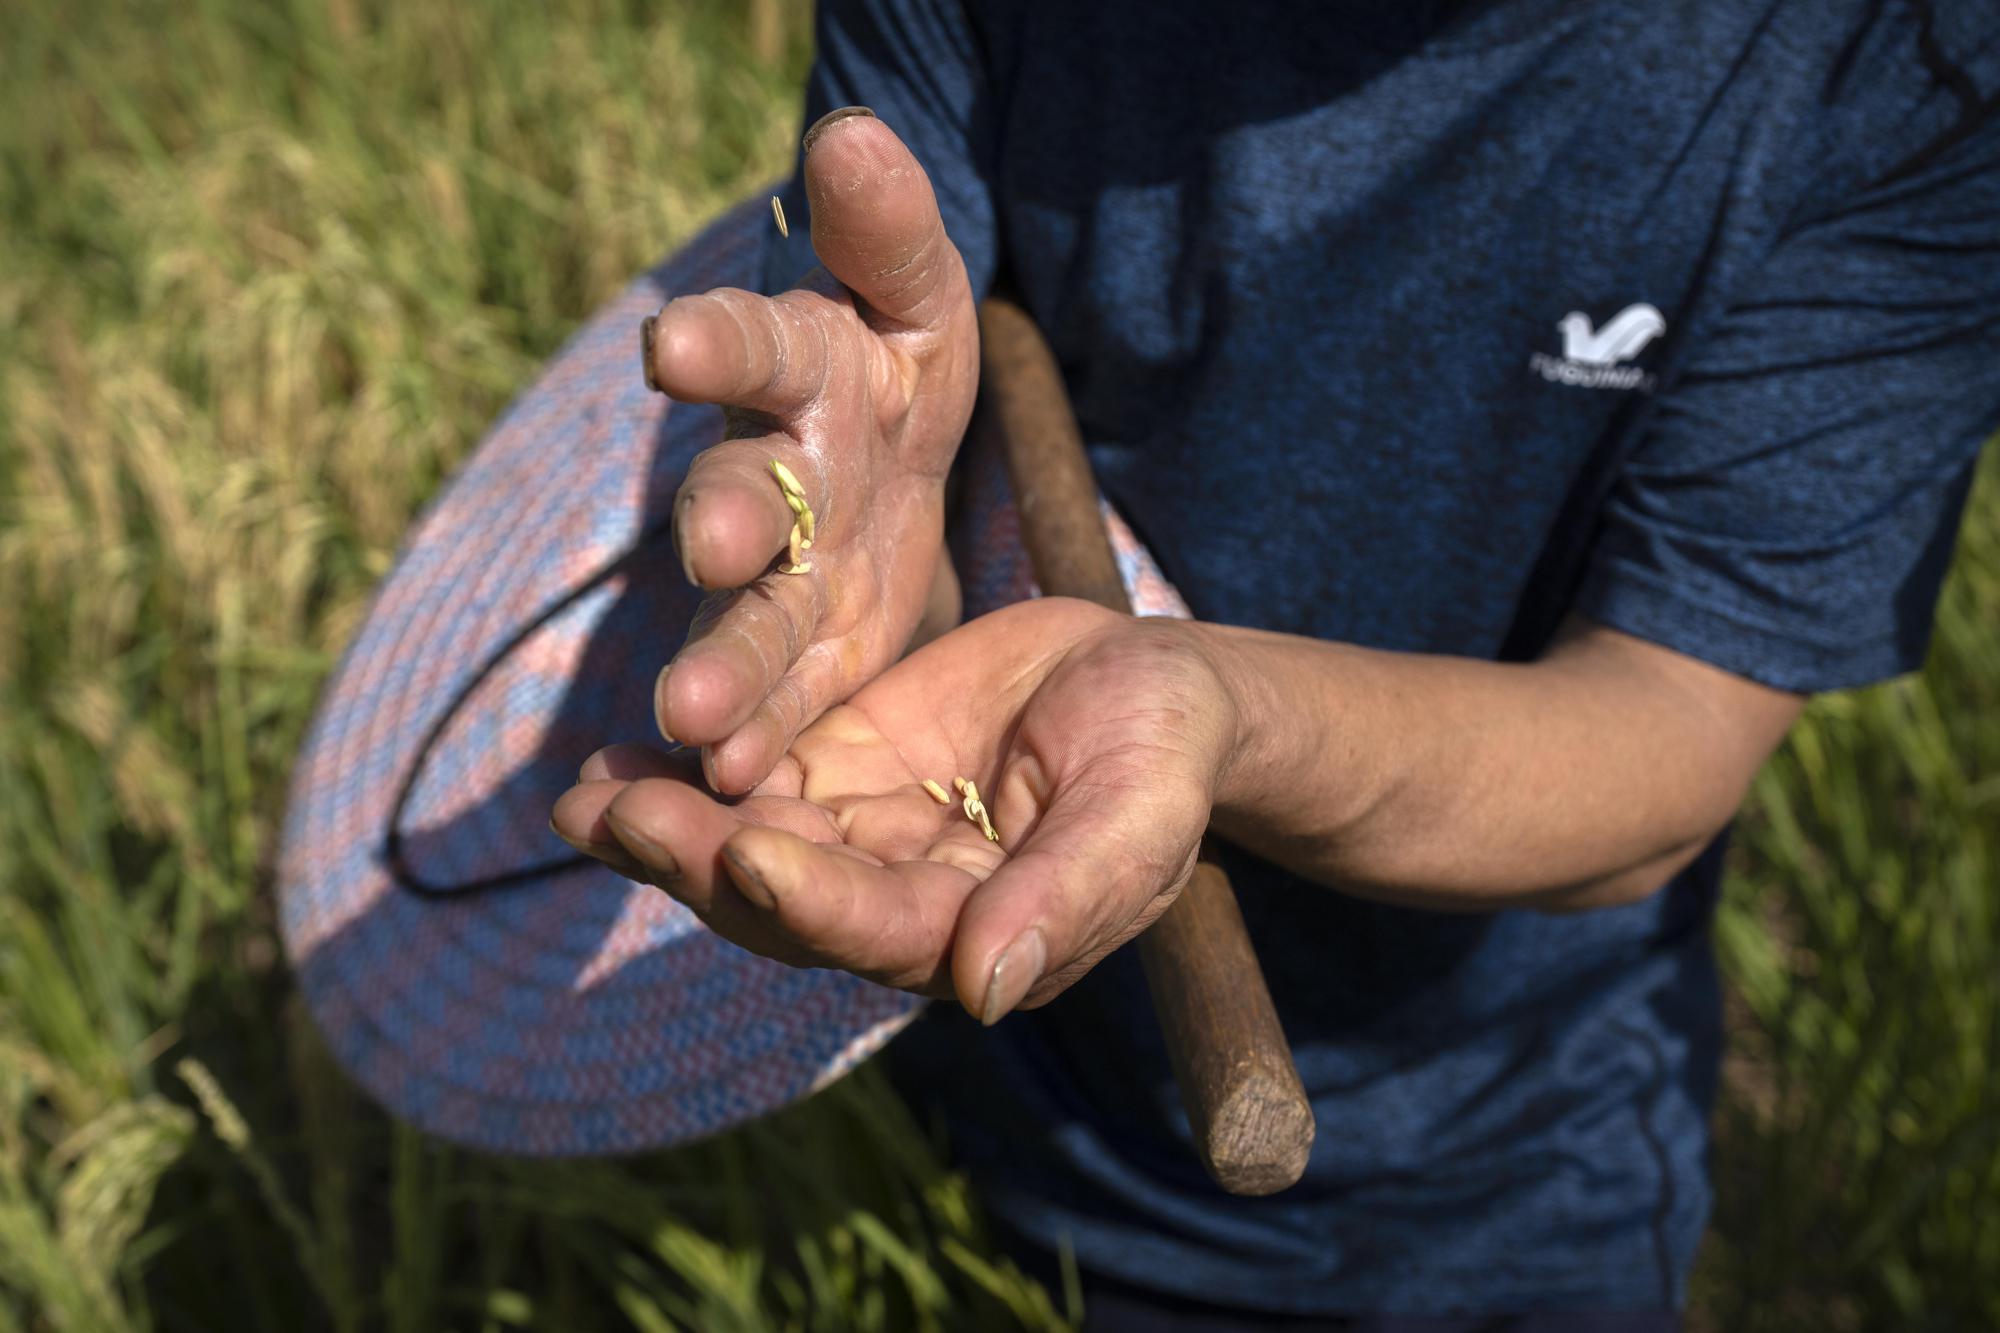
(1095, 741)
(862, 387)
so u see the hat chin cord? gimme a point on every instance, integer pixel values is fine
(393, 851)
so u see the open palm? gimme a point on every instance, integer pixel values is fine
(1094, 740)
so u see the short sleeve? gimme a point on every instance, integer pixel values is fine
(1791, 513)
(919, 66)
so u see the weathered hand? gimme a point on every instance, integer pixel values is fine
(862, 387)
(1096, 741)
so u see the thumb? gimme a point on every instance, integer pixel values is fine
(875, 222)
(1101, 865)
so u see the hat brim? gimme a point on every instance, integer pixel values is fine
(571, 1011)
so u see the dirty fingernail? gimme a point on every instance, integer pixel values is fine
(616, 858)
(1014, 974)
(838, 113)
(646, 327)
(658, 860)
(749, 882)
(683, 516)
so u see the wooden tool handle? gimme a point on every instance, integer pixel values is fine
(1252, 1124)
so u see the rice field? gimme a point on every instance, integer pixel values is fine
(267, 270)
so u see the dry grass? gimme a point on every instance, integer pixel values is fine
(266, 272)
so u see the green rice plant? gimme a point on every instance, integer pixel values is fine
(1860, 1171)
(266, 272)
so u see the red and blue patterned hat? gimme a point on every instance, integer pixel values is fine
(475, 976)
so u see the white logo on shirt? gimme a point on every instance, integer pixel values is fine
(1591, 356)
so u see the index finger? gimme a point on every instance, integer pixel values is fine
(767, 354)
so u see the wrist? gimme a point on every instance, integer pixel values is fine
(1299, 763)
(1243, 707)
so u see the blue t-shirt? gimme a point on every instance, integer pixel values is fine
(1419, 326)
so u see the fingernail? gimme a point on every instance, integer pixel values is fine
(658, 861)
(683, 515)
(1018, 969)
(749, 882)
(839, 113)
(660, 704)
(646, 352)
(614, 857)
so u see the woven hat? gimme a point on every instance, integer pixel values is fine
(473, 974)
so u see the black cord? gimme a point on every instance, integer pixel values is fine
(392, 845)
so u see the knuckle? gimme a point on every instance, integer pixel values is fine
(761, 629)
(783, 620)
(709, 614)
(821, 327)
(791, 701)
(772, 620)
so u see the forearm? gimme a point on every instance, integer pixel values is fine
(1585, 778)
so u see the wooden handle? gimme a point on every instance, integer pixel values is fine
(1252, 1124)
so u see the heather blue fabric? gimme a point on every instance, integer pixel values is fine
(1421, 326)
